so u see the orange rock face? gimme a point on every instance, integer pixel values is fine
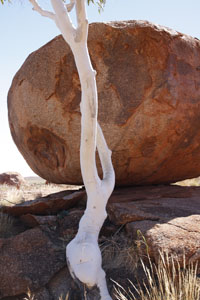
(148, 81)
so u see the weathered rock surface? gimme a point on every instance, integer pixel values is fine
(167, 216)
(155, 203)
(34, 220)
(29, 261)
(178, 237)
(12, 178)
(50, 204)
(62, 284)
(149, 96)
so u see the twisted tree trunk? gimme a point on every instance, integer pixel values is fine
(83, 253)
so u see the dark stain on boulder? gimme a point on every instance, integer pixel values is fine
(47, 148)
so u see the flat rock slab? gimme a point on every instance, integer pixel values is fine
(153, 203)
(50, 204)
(167, 216)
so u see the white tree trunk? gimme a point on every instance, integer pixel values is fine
(83, 253)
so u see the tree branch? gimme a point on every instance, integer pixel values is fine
(83, 253)
(70, 5)
(63, 21)
(82, 30)
(106, 162)
(88, 127)
(41, 11)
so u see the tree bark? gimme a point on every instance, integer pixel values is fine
(83, 253)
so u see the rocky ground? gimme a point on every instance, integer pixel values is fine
(38, 220)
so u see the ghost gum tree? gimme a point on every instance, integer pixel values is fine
(83, 253)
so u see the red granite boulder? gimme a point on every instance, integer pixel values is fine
(148, 80)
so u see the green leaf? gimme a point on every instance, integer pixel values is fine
(3, 1)
(100, 3)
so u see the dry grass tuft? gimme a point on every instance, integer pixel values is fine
(6, 225)
(189, 182)
(119, 252)
(164, 281)
(32, 189)
(30, 296)
(10, 196)
(66, 297)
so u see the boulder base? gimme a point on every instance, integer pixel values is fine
(148, 80)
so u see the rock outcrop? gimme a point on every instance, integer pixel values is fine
(33, 258)
(50, 204)
(148, 80)
(179, 237)
(168, 217)
(155, 203)
(12, 178)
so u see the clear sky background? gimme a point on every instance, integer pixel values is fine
(23, 31)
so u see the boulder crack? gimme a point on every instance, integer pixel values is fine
(178, 226)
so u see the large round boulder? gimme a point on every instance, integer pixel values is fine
(148, 80)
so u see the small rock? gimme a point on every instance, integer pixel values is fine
(12, 178)
(62, 285)
(33, 220)
(41, 294)
(28, 261)
(68, 225)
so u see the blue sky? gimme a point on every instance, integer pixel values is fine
(23, 31)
